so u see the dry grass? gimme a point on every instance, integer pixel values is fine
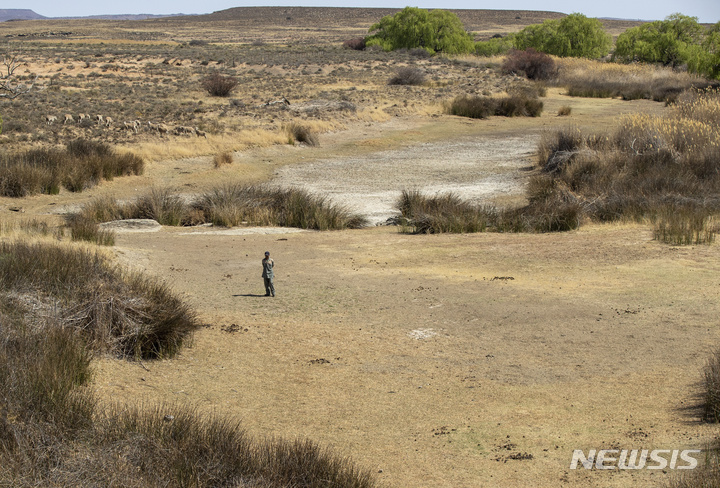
(586, 78)
(160, 150)
(227, 205)
(663, 168)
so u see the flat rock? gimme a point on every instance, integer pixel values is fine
(132, 225)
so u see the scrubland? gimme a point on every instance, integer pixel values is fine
(478, 341)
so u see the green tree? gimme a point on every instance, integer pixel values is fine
(412, 27)
(494, 46)
(669, 42)
(572, 36)
(704, 58)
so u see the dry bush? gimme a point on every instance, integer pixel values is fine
(116, 310)
(408, 76)
(356, 44)
(449, 213)
(564, 111)
(218, 85)
(160, 205)
(228, 206)
(222, 159)
(302, 133)
(233, 204)
(534, 65)
(82, 229)
(482, 107)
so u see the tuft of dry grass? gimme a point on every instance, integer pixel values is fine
(223, 158)
(299, 132)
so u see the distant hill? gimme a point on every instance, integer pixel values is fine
(27, 14)
(18, 14)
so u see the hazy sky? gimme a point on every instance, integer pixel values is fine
(706, 10)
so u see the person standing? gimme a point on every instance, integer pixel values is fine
(268, 264)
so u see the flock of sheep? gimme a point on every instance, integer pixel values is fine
(133, 125)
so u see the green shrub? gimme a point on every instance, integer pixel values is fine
(572, 36)
(662, 41)
(434, 31)
(494, 46)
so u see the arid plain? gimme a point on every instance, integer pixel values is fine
(433, 360)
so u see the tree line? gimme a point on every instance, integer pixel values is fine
(679, 40)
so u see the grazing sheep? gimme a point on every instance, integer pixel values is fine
(184, 130)
(200, 133)
(100, 119)
(108, 121)
(131, 126)
(82, 117)
(50, 119)
(137, 124)
(160, 128)
(68, 118)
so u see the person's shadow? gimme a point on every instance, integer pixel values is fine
(250, 295)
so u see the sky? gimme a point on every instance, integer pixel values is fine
(707, 11)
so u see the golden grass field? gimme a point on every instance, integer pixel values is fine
(433, 360)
